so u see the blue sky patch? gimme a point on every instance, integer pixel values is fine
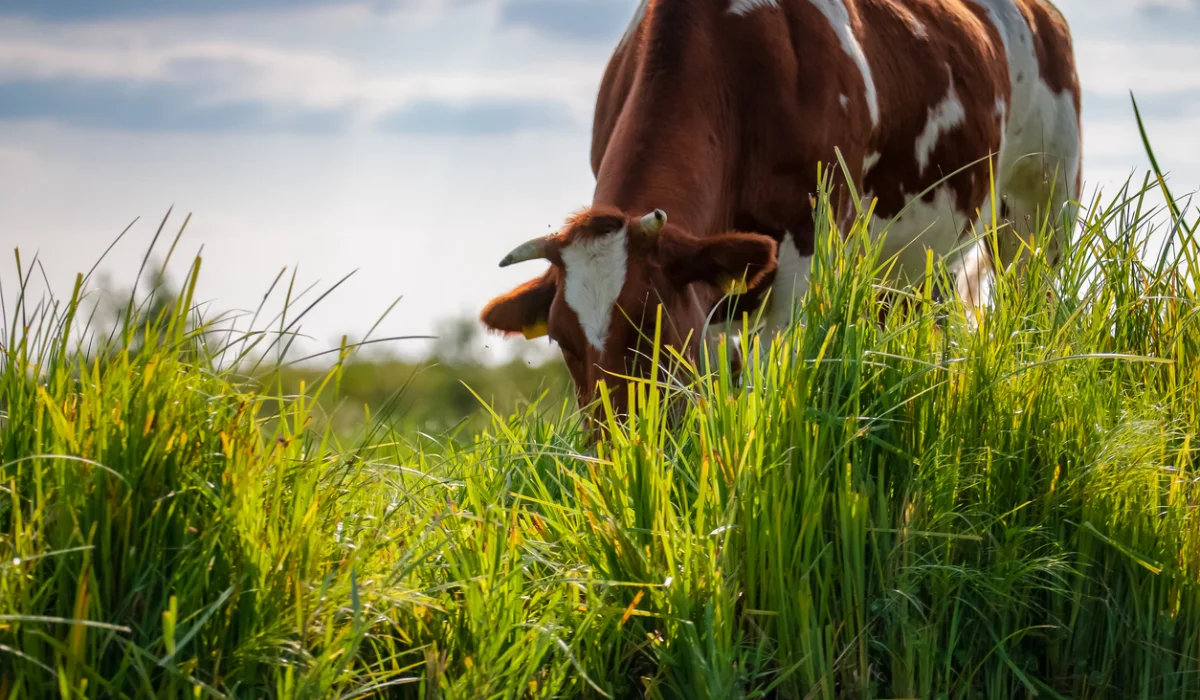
(1155, 106)
(153, 107)
(587, 20)
(480, 117)
(99, 9)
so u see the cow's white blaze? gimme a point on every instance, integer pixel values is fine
(595, 274)
(943, 117)
(745, 7)
(839, 18)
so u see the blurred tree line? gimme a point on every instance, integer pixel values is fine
(431, 393)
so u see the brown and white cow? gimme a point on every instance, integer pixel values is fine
(717, 112)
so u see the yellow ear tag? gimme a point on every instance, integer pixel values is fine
(537, 330)
(735, 286)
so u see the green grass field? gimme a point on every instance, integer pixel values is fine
(913, 510)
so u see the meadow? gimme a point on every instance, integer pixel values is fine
(921, 508)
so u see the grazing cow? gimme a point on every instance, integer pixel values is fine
(716, 113)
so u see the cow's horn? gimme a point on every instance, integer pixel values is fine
(652, 223)
(536, 249)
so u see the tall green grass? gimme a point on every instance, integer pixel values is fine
(916, 509)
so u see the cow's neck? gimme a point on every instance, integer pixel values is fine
(672, 148)
(677, 175)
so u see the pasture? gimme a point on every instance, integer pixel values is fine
(919, 509)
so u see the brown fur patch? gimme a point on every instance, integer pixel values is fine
(915, 72)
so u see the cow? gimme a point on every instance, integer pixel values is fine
(711, 118)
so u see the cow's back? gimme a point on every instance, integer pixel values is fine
(916, 94)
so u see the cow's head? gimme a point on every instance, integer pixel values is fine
(609, 272)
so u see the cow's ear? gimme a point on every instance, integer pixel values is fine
(525, 310)
(735, 262)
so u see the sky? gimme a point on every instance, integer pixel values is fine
(412, 142)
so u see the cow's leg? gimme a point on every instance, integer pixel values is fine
(770, 309)
(971, 268)
(791, 282)
(719, 332)
(1039, 178)
(971, 264)
(731, 315)
(946, 225)
(1038, 204)
(1038, 196)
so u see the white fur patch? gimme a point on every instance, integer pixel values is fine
(1041, 139)
(943, 117)
(839, 18)
(595, 272)
(845, 101)
(791, 282)
(998, 12)
(745, 7)
(870, 162)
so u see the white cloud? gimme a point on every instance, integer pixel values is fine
(436, 51)
(1115, 66)
(1176, 5)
